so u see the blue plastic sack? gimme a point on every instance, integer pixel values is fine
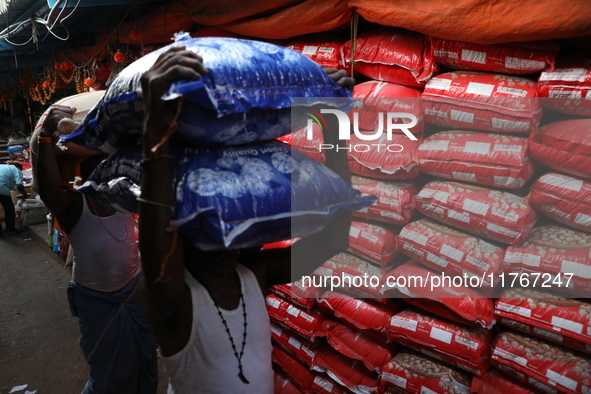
(245, 97)
(234, 197)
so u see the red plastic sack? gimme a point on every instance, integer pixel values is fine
(378, 244)
(305, 323)
(567, 89)
(295, 344)
(283, 385)
(493, 214)
(566, 317)
(324, 384)
(528, 381)
(356, 345)
(564, 146)
(454, 252)
(297, 293)
(371, 318)
(394, 203)
(345, 371)
(324, 50)
(563, 198)
(486, 159)
(392, 55)
(512, 58)
(495, 382)
(548, 363)
(481, 101)
(377, 98)
(560, 255)
(297, 372)
(414, 373)
(309, 147)
(466, 348)
(463, 301)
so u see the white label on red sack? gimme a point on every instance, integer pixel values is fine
(389, 201)
(461, 116)
(458, 216)
(438, 84)
(523, 64)
(548, 334)
(392, 215)
(307, 317)
(562, 181)
(577, 269)
(541, 386)
(436, 210)
(512, 91)
(405, 323)
(354, 232)
(514, 309)
(413, 236)
(475, 207)
(434, 145)
(276, 330)
(474, 56)
(294, 343)
(370, 237)
(562, 93)
(394, 379)
(441, 335)
(466, 342)
(513, 217)
(506, 181)
(481, 148)
(434, 194)
(502, 230)
(586, 390)
(452, 253)
(464, 176)
(481, 89)
(325, 384)
(551, 209)
(326, 49)
(426, 390)
(309, 50)
(565, 74)
(567, 324)
(436, 113)
(293, 311)
(442, 53)
(436, 260)
(510, 356)
(323, 271)
(273, 303)
(506, 124)
(533, 260)
(562, 380)
(478, 263)
(413, 250)
(507, 148)
(582, 219)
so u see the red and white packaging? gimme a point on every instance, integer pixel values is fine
(295, 344)
(375, 99)
(410, 372)
(567, 88)
(324, 50)
(564, 316)
(561, 256)
(394, 203)
(297, 371)
(496, 382)
(384, 159)
(304, 323)
(463, 301)
(453, 252)
(564, 146)
(283, 385)
(297, 293)
(373, 242)
(356, 345)
(481, 101)
(346, 371)
(371, 318)
(485, 159)
(467, 348)
(564, 199)
(493, 214)
(324, 384)
(392, 55)
(550, 364)
(352, 275)
(529, 381)
(310, 147)
(510, 58)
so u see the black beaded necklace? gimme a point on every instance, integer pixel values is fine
(238, 357)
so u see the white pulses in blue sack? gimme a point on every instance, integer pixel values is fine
(245, 97)
(234, 197)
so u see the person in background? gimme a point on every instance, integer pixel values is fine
(209, 314)
(115, 335)
(11, 176)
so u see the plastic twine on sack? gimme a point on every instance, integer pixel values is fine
(175, 238)
(354, 27)
(171, 128)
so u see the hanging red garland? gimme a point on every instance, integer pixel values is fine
(89, 82)
(45, 85)
(57, 66)
(67, 66)
(119, 57)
